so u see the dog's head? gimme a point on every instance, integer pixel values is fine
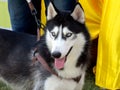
(65, 33)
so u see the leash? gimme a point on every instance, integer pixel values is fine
(37, 56)
(44, 63)
(34, 13)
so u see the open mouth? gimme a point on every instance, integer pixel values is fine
(59, 62)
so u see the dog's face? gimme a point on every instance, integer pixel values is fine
(62, 41)
(63, 33)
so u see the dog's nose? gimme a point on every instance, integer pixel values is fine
(56, 54)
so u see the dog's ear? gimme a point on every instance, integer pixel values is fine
(78, 13)
(51, 12)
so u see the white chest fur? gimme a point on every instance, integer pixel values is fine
(55, 83)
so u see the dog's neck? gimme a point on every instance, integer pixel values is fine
(76, 79)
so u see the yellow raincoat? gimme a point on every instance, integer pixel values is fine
(103, 20)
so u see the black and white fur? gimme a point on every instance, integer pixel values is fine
(65, 36)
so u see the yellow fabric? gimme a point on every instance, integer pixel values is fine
(93, 16)
(103, 19)
(43, 16)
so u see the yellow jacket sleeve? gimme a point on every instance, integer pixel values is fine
(103, 20)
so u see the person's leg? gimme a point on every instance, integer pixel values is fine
(63, 5)
(21, 18)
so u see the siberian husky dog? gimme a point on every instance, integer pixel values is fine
(64, 49)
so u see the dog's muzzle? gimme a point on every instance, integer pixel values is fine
(60, 62)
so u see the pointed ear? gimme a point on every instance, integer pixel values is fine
(78, 14)
(51, 12)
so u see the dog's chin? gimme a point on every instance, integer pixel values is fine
(59, 63)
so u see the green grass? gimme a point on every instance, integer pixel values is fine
(4, 15)
(90, 81)
(4, 86)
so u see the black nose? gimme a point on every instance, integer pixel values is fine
(56, 54)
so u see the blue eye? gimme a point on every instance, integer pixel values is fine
(68, 35)
(53, 34)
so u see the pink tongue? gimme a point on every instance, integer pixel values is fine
(59, 63)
